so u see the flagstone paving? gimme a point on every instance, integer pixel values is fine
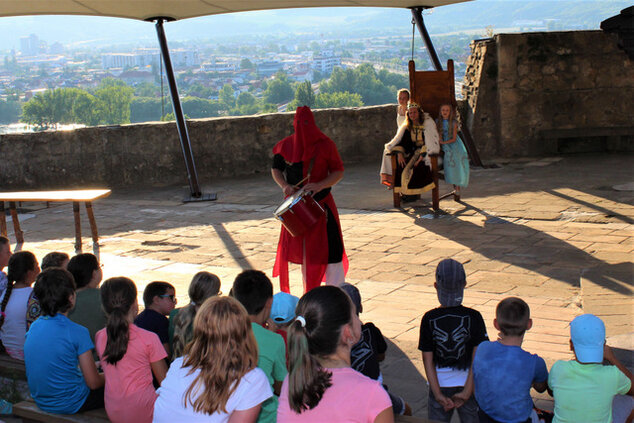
(552, 231)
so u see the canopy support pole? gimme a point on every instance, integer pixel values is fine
(417, 15)
(195, 192)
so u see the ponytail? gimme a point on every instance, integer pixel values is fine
(5, 301)
(20, 264)
(117, 297)
(321, 314)
(307, 380)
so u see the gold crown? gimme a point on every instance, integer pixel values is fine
(412, 104)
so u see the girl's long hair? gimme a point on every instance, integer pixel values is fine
(117, 297)
(451, 120)
(203, 286)
(20, 264)
(326, 310)
(223, 350)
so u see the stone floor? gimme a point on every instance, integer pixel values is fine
(553, 231)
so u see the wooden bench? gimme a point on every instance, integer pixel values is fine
(30, 412)
(74, 196)
(551, 137)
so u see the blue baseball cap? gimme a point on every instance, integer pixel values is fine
(587, 333)
(283, 308)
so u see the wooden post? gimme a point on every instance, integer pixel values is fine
(3, 220)
(435, 196)
(78, 247)
(19, 236)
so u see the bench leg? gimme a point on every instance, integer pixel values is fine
(78, 247)
(93, 229)
(3, 220)
(19, 236)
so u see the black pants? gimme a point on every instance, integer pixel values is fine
(93, 401)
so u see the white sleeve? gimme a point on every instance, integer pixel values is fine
(397, 138)
(432, 140)
(254, 389)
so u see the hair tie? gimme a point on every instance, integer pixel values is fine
(301, 321)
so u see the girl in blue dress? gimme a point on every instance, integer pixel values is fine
(456, 159)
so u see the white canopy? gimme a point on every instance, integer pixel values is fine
(182, 9)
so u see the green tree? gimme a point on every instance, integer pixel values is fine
(362, 80)
(246, 64)
(195, 107)
(304, 95)
(10, 111)
(145, 109)
(338, 99)
(279, 90)
(85, 110)
(246, 99)
(52, 107)
(114, 100)
(226, 96)
(146, 89)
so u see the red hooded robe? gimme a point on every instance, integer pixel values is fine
(308, 142)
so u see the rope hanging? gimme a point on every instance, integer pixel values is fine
(413, 33)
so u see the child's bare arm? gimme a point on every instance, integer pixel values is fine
(159, 368)
(461, 397)
(93, 378)
(541, 386)
(432, 378)
(608, 354)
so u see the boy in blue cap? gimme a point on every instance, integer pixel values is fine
(584, 388)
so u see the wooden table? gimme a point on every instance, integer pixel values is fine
(86, 196)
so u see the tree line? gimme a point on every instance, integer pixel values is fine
(113, 102)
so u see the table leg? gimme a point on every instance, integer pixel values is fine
(93, 223)
(19, 236)
(78, 247)
(3, 220)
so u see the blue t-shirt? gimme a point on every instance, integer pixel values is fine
(51, 356)
(503, 376)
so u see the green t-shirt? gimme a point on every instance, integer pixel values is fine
(584, 392)
(272, 360)
(88, 312)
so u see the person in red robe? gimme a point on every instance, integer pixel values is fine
(320, 251)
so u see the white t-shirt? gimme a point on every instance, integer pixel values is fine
(253, 389)
(14, 327)
(449, 377)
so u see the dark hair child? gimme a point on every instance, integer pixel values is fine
(130, 356)
(60, 369)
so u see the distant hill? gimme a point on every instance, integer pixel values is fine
(341, 22)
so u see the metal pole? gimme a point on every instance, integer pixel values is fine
(178, 112)
(417, 14)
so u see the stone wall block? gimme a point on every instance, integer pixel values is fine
(150, 153)
(550, 80)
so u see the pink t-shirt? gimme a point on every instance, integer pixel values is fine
(352, 397)
(129, 394)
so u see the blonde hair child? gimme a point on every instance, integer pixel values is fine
(217, 378)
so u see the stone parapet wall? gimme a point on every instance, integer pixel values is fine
(521, 87)
(150, 153)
